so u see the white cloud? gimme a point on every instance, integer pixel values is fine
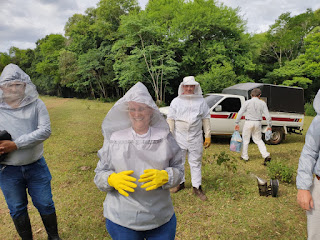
(260, 14)
(23, 22)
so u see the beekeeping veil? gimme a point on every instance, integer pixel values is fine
(118, 116)
(13, 77)
(190, 80)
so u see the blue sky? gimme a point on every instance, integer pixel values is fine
(23, 22)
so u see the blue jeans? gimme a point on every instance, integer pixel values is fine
(36, 177)
(165, 232)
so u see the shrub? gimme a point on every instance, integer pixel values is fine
(225, 160)
(278, 170)
(309, 110)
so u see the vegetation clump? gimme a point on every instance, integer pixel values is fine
(279, 170)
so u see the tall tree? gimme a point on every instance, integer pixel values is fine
(93, 73)
(4, 60)
(212, 37)
(285, 39)
(48, 67)
(144, 54)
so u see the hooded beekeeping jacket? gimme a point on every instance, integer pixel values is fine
(188, 111)
(124, 149)
(28, 122)
(309, 162)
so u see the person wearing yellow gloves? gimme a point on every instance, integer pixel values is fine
(139, 162)
(188, 114)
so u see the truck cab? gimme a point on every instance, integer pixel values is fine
(223, 112)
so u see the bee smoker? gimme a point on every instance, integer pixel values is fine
(267, 190)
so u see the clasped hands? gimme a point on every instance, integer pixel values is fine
(123, 182)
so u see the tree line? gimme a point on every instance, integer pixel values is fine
(109, 48)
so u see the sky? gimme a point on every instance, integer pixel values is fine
(23, 22)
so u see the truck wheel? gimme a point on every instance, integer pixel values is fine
(277, 136)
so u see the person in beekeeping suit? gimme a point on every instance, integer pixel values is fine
(25, 117)
(254, 109)
(308, 177)
(139, 162)
(188, 114)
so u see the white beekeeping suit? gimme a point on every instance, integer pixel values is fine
(186, 116)
(126, 149)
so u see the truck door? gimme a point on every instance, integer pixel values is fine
(223, 115)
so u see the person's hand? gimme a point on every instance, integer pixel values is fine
(304, 199)
(207, 142)
(154, 178)
(269, 128)
(7, 146)
(123, 182)
(237, 128)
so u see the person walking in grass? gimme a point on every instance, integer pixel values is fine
(138, 145)
(188, 114)
(308, 196)
(22, 166)
(253, 110)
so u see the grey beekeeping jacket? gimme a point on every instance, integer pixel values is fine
(28, 124)
(124, 150)
(309, 163)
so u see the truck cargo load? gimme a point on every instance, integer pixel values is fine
(278, 98)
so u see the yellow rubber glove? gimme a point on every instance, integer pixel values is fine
(207, 142)
(155, 178)
(123, 182)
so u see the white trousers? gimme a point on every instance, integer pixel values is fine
(195, 161)
(252, 128)
(313, 216)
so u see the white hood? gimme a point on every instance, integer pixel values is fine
(118, 116)
(190, 80)
(13, 73)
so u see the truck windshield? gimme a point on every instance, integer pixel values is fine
(212, 99)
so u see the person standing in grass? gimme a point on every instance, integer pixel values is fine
(253, 109)
(25, 117)
(308, 196)
(188, 114)
(138, 145)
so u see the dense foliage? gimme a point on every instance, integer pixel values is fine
(109, 48)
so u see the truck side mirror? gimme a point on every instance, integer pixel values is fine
(218, 108)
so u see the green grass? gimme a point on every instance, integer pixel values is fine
(234, 209)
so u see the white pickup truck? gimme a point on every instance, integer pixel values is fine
(286, 107)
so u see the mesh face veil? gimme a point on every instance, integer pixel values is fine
(135, 109)
(16, 88)
(190, 80)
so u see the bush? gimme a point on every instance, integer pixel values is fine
(278, 170)
(309, 110)
(225, 160)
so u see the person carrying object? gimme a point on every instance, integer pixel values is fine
(139, 162)
(25, 117)
(253, 109)
(308, 196)
(188, 114)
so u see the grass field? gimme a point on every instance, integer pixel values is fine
(234, 209)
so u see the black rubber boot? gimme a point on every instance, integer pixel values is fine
(23, 226)
(50, 223)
